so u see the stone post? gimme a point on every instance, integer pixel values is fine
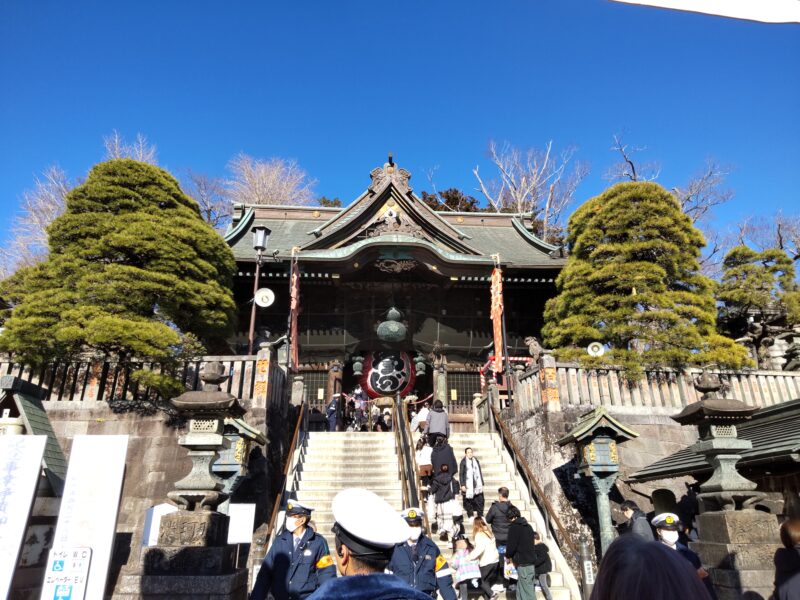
(548, 380)
(192, 558)
(736, 542)
(298, 390)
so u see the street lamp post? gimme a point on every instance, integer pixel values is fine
(260, 239)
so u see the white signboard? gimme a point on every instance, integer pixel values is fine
(152, 522)
(240, 526)
(67, 574)
(90, 503)
(20, 469)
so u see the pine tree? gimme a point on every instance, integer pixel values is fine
(133, 272)
(632, 283)
(760, 285)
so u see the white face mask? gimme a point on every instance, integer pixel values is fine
(292, 524)
(415, 533)
(669, 537)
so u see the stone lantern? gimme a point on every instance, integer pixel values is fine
(596, 437)
(192, 554)
(736, 542)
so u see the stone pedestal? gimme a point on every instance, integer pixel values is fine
(737, 548)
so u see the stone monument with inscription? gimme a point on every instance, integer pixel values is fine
(192, 557)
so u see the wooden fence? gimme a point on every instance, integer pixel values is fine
(85, 382)
(665, 388)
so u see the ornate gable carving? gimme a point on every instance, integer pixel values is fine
(389, 173)
(392, 221)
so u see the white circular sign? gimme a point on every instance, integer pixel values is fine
(596, 349)
(265, 297)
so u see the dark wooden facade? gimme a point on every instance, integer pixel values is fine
(388, 249)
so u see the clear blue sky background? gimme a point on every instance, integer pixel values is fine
(338, 84)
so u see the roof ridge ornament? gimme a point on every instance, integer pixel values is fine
(389, 173)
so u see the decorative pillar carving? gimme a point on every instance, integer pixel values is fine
(548, 383)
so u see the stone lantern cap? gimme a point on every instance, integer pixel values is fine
(210, 402)
(715, 411)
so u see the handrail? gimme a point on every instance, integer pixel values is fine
(534, 489)
(414, 466)
(276, 509)
(401, 463)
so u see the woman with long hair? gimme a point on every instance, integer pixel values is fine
(634, 568)
(485, 552)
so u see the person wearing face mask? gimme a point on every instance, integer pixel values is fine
(298, 562)
(418, 561)
(668, 526)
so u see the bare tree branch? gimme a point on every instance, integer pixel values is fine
(780, 231)
(272, 181)
(211, 196)
(40, 205)
(704, 191)
(627, 167)
(538, 182)
(140, 149)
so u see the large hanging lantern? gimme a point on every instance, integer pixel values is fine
(388, 373)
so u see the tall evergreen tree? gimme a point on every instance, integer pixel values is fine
(631, 282)
(761, 286)
(133, 272)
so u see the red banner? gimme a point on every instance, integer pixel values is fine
(497, 318)
(294, 309)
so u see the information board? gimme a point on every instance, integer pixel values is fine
(67, 574)
(240, 525)
(89, 506)
(20, 469)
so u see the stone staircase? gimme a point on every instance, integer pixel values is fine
(498, 471)
(330, 462)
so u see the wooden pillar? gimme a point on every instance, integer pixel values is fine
(548, 379)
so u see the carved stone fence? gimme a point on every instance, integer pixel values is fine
(558, 386)
(77, 384)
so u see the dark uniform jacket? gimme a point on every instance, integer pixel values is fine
(291, 574)
(496, 517)
(375, 586)
(520, 548)
(787, 573)
(423, 567)
(692, 557)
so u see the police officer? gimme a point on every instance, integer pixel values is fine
(298, 561)
(418, 561)
(367, 529)
(667, 526)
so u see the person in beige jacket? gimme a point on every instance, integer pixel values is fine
(486, 554)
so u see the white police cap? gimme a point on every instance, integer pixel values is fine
(293, 507)
(366, 523)
(666, 520)
(412, 514)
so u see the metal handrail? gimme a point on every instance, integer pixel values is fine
(417, 493)
(300, 426)
(401, 463)
(534, 489)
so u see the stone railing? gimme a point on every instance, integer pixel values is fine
(558, 386)
(76, 384)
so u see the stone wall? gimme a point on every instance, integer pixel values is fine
(573, 499)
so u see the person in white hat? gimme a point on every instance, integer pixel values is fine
(298, 562)
(419, 562)
(668, 526)
(367, 529)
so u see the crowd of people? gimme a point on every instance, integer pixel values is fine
(499, 550)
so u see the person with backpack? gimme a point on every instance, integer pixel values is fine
(444, 489)
(541, 560)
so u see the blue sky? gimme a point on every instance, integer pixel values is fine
(338, 84)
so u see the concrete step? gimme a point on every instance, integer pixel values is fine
(367, 477)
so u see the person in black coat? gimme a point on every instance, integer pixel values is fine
(637, 521)
(541, 560)
(442, 454)
(787, 562)
(497, 519)
(522, 552)
(470, 477)
(444, 489)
